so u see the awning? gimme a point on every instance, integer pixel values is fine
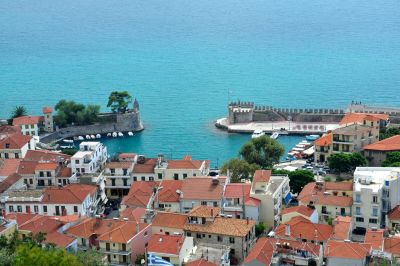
(288, 198)
(309, 151)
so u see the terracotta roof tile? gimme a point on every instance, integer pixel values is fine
(314, 193)
(133, 214)
(169, 193)
(9, 181)
(200, 262)
(27, 167)
(205, 211)
(27, 120)
(20, 217)
(394, 214)
(302, 228)
(145, 168)
(375, 238)
(46, 166)
(166, 244)
(347, 250)
(392, 245)
(203, 188)
(43, 155)
(262, 175)
(341, 228)
(9, 166)
(340, 186)
(127, 155)
(139, 193)
(241, 191)
(15, 141)
(69, 194)
(186, 163)
(223, 226)
(389, 144)
(59, 239)
(47, 110)
(304, 210)
(170, 220)
(351, 118)
(324, 141)
(262, 251)
(9, 130)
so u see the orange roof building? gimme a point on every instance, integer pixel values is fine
(342, 228)
(139, 194)
(392, 246)
(170, 246)
(169, 223)
(15, 146)
(377, 152)
(262, 175)
(375, 238)
(27, 120)
(262, 252)
(351, 118)
(301, 210)
(340, 252)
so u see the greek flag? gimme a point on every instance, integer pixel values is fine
(153, 260)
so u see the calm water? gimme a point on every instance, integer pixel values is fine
(181, 58)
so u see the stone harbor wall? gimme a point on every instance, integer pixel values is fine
(113, 123)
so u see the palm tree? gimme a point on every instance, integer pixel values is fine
(19, 111)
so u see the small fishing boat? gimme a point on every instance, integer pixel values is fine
(108, 134)
(87, 136)
(68, 140)
(114, 134)
(80, 138)
(130, 133)
(92, 136)
(275, 135)
(120, 134)
(257, 133)
(312, 137)
(98, 136)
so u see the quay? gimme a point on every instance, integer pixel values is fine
(246, 117)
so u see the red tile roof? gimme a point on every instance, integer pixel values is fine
(43, 155)
(394, 214)
(9, 130)
(46, 166)
(347, 250)
(27, 167)
(15, 141)
(351, 118)
(59, 239)
(70, 194)
(109, 230)
(47, 110)
(262, 175)
(340, 186)
(392, 245)
(262, 251)
(9, 166)
(170, 220)
(241, 191)
(315, 194)
(122, 165)
(375, 238)
(127, 155)
(145, 168)
(9, 181)
(389, 144)
(203, 188)
(205, 211)
(200, 262)
(139, 193)
(301, 209)
(133, 214)
(324, 141)
(169, 193)
(302, 228)
(27, 120)
(341, 228)
(185, 163)
(20, 217)
(223, 226)
(166, 244)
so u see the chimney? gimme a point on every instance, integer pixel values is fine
(287, 229)
(212, 212)
(247, 220)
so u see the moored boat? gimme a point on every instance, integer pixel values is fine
(257, 133)
(312, 137)
(130, 133)
(120, 134)
(98, 136)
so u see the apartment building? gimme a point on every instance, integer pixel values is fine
(375, 194)
(90, 158)
(118, 178)
(181, 169)
(239, 204)
(273, 192)
(15, 146)
(347, 253)
(377, 152)
(30, 125)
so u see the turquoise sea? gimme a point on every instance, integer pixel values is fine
(184, 60)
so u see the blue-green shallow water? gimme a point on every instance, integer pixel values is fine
(180, 58)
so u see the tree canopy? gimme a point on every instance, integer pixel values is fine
(19, 111)
(71, 113)
(262, 151)
(392, 159)
(118, 101)
(388, 132)
(346, 162)
(298, 179)
(238, 169)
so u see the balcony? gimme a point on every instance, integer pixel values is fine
(233, 208)
(115, 251)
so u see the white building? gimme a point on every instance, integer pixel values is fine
(29, 124)
(272, 191)
(376, 192)
(181, 169)
(118, 178)
(76, 199)
(15, 146)
(90, 158)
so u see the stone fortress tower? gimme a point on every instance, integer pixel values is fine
(48, 122)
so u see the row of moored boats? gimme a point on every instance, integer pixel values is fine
(69, 143)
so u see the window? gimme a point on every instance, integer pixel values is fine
(134, 178)
(373, 221)
(16, 155)
(125, 180)
(113, 182)
(359, 219)
(358, 211)
(77, 161)
(125, 171)
(7, 145)
(143, 178)
(31, 181)
(41, 174)
(6, 154)
(19, 208)
(232, 251)
(187, 234)
(36, 209)
(219, 238)
(375, 199)
(176, 176)
(231, 240)
(11, 208)
(49, 182)
(204, 203)
(151, 178)
(27, 209)
(184, 176)
(112, 170)
(48, 174)
(75, 209)
(374, 211)
(159, 176)
(44, 209)
(83, 242)
(198, 235)
(215, 203)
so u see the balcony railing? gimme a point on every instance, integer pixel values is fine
(115, 251)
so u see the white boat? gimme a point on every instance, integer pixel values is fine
(120, 134)
(297, 149)
(275, 135)
(92, 136)
(130, 133)
(98, 136)
(81, 138)
(108, 134)
(87, 136)
(114, 134)
(312, 137)
(257, 133)
(66, 147)
(68, 141)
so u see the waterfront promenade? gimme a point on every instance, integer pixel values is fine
(292, 128)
